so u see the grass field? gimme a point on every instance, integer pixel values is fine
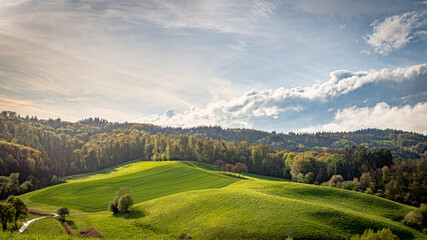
(148, 180)
(176, 198)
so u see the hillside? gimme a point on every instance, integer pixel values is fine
(148, 180)
(225, 207)
(39, 153)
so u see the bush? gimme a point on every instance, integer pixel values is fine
(122, 202)
(113, 205)
(125, 202)
(413, 219)
(369, 234)
(349, 185)
(369, 191)
(335, 179)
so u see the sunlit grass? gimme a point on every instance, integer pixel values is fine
(177, 198)
(148, 180)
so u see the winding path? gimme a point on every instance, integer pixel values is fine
(27, 223)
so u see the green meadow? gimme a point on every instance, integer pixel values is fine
(176, 198)
(148, 180)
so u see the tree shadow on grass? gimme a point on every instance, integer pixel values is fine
(71, 223)
(133, 214)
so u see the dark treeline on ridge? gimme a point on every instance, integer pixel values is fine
(36, 153)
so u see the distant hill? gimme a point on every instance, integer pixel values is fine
(403, 145)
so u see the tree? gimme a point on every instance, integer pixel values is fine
(239, 168)
(228, 167)
(384, 234)
(414, 219)
(21, 209)
(122, 201)
(113, 205)
(7, 213)
(62, 212)
(335, 180)
(123, 191)
(219, 164)
(125, 202)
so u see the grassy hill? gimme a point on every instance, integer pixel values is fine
(148, 180)
(175, 198)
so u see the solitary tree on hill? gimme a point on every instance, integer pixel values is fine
(122, 202)
(62, 212)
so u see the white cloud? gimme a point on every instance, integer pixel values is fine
(240, 111)
(395, 32)
(263, 8)
(409, 118)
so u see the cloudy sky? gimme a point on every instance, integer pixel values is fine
(300, 65)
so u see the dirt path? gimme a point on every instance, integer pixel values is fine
(27, 223)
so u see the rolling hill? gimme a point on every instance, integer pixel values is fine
(148, 180)
(176, 198)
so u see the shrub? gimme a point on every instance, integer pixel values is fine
(113, 205)
(369, 234)
(349, 185)
(413, 219)
(369, 191)
(125, 202)
(122, 202)
(335, 179)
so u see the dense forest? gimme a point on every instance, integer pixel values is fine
(36, 153)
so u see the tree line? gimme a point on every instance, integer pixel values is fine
(34, 154)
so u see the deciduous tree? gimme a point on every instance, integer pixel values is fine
(21, 209)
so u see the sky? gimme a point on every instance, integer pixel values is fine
(300, 65)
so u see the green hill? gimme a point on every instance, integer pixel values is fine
(148, 180)
(175, 199)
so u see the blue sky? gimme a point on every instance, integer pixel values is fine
(302, 65)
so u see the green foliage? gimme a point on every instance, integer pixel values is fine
(122, 202)
(417, 219)
(21, 210)
(7, 214)
(62, 212)
(44, 151)
(113, 205)
(123, 191)
(383, 234)
(125, 202)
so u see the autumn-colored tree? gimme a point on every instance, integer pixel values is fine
(229, 167)
(239, 168)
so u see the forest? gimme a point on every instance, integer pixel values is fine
(37, 153)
